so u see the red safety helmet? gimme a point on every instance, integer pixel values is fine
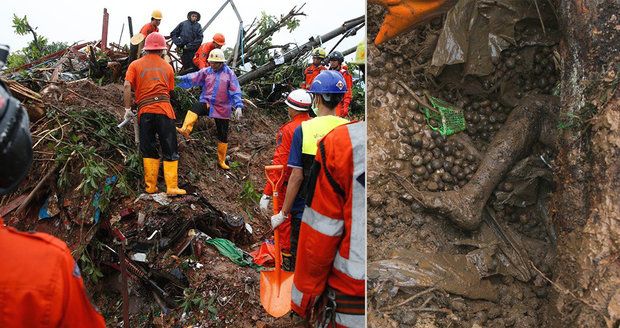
(155, 41)
(219, 39)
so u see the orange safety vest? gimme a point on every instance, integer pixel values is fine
(334, 219)
(310, 73)
(40, 283)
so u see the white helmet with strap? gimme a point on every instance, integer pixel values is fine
(299, 100)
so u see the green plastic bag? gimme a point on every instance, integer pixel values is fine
(231, 251)
(449, 117)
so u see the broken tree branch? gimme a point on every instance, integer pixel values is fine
(306, 47)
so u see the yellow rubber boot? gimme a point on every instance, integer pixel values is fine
(151, 170)
(171, 169)
(188, 124)
(221, 155)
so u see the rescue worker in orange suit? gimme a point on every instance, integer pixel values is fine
(318, 54)
(335, 63)
(40, 282)
(298, 102)
(327, 90)
(221, 93)
(152, 26)
(152, 80)
(330, 279)
(202, 55)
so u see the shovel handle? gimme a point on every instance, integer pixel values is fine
(274, 184)
(276, 234)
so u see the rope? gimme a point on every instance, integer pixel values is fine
(241, 42)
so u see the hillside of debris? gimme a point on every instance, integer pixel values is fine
(183, 261)
(491, 226)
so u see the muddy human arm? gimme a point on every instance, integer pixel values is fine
(127, 94)
(519, 133)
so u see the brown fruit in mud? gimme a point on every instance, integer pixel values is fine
(417, 160)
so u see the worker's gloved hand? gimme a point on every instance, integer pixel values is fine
(238, 113)
(264, 202)
(129, 114)
(277, 219)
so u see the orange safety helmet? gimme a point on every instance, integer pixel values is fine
(219, 39)
(155, 41)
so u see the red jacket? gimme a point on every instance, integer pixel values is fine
(202, 54)
(310, 73)
(280, 155)
(332, 240)
(40, 283)
(342, 109)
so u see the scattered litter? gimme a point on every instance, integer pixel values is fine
(450, 272)
(139, 257)
(152, 235)
(50, 208)
(162, 198)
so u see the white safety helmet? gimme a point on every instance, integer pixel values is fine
(217, 56)
(299, 100)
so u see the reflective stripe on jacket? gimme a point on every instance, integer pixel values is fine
(332, 240)
(342, 109)
(312, 131)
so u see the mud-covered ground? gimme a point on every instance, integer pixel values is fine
(218, 292)
(423, 270)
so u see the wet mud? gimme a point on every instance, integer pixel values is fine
(460, 233)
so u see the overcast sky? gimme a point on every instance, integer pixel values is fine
(73, 21)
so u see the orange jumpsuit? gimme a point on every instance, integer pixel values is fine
(202, 54)
(342, 109)
(310, 73)
(40, 283)
(280, 157)
(332, 241)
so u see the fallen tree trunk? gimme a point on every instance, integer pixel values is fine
(521, 130)
(306, 47)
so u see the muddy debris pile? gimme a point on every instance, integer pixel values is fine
(187, 258)
(490, 263)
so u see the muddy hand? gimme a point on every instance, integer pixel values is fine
(405, 14)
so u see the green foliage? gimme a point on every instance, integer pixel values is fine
(249, 193)
(358, 101)
(90, 270)
(92, 143)
(183, 100)
(35, 49)
(265, 23)
(212, 308)
(193, 300)
(293, 73)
